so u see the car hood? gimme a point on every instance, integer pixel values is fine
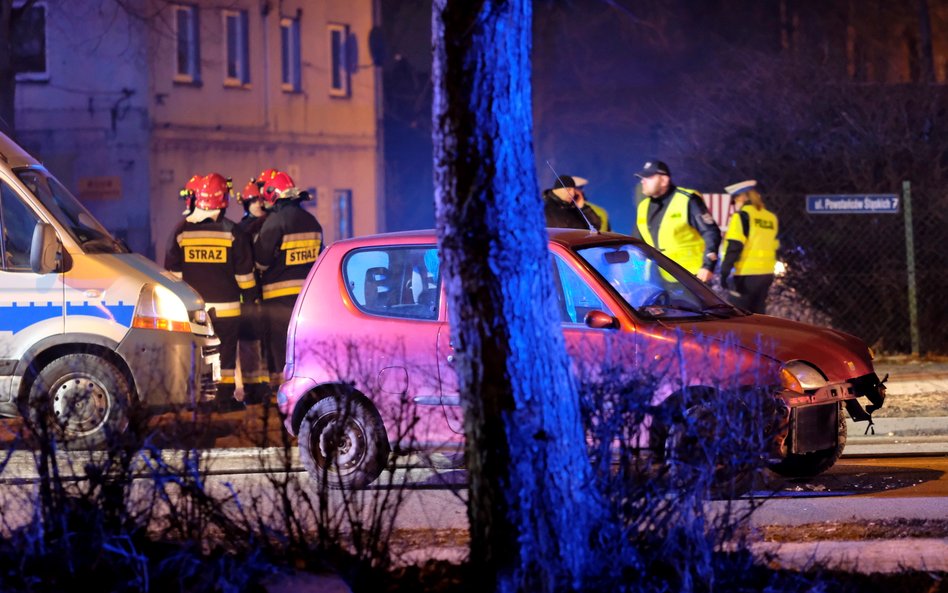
(840, 356)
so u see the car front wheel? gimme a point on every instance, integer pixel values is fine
(342, 441)
(804, 465)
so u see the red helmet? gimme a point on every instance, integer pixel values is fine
(278, 185)
(213, 192)
(264, 175)
(251, 192)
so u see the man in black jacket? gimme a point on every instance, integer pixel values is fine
(563, 209)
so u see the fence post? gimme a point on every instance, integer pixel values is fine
(910, 265)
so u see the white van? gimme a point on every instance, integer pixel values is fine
(89, 332)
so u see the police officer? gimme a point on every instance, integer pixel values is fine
(289, 241)
(676, 221)
(750, 251)
(211, 254)
(251, 333)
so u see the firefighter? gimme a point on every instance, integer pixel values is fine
(211, 254)
(288, 244)
(676, 221)
(251, 333)
(750, 251)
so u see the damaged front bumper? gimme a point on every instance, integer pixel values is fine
(807, 422)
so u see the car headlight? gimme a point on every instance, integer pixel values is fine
(160, 308)
(800, 376)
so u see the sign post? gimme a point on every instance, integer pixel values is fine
(910, 264)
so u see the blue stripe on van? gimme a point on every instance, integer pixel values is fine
(15, 317)
(119, 312)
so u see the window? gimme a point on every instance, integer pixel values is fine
(290, 51)
(187, 44)
(395, 281)
(17, 222)
(29, 44)
(342, 213)
(339, 56)
(575, 297)
(236, 48)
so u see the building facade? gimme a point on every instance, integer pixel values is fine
(125, 102)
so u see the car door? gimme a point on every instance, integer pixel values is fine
(31, 305)
(577, 295)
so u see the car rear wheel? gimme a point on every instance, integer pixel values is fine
(79, 400)
(803, 465)
(342, 441)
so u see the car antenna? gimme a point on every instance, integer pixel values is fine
(573, 197)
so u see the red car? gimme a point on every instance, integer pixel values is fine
(369, 354)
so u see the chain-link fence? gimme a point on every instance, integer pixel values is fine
(850, 272)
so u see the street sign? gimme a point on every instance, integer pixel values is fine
(852, 204)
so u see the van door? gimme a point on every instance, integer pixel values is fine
(31, 305)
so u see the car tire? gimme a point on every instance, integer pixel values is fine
(692, 443)
(342, 442)
(79, 400)
(804, 465)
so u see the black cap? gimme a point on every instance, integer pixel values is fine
(564, 181)
(653, 167)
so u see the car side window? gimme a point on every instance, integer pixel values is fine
(398, 281)
(576, 298)
(17, 222)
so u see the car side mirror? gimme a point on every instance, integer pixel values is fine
(45, 249)
(601, 320)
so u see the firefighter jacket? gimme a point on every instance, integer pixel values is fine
(679, 224)
(752, 243)
(215, 258)
(288, 244)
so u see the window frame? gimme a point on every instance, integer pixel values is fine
(338, 61)
(193, 75)
(342, 214)
(403, 312)
(241, 62)
(291, 75)
(37, 76)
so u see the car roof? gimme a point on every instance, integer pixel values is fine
(565, 237)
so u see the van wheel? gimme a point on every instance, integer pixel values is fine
(805, 465)
(342, 441)
(80, 400)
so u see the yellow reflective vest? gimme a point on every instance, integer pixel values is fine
(676, 238)
(759, 254)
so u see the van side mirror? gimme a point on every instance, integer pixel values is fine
(45, 249)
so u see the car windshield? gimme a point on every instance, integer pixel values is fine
(80, 224)
(653, 285)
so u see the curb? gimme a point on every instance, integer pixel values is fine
(883, 556)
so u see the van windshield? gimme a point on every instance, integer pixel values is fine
(80, 224)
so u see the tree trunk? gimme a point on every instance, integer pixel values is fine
(7, 75)
(532, 503)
